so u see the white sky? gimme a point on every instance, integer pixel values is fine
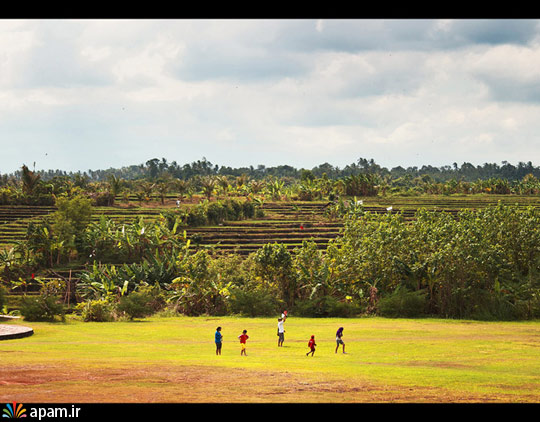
(94, 94)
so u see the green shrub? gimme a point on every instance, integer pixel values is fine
(237, 208)
(96, 310)
(171, 217)
(403, 303)
(42, 308)
(487, 306)
(13, 302)
(136, 305)
(103, 199)
(156, 297)
(326, 306)
(532, 307)
(248, 209)
(216, 213)
(196, 217)
(254, 303)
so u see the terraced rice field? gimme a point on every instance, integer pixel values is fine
(452, 202)
(14, 220)
(285, 222)
(293, 222)
(289, 223)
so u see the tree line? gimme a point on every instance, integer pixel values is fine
(364, 178)
(155, 168)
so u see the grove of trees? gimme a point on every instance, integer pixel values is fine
(156, 179)
(481, 264)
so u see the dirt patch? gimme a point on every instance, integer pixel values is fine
(448, 365)
(181, 384)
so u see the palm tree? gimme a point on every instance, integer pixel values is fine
(115, 185)
(141, 195)
(125, 195)
(147, 188)
(182, 186)
(223, 183)
(163, 188)
(30, 180)
(242, 180)
(361, 184)
(208, 183)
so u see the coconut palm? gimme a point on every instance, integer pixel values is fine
(162, 187)
(223, 184)
(147, 188)
(361, 184)
(30, 180)
(115, 186)
(181, 186)
(208, 184)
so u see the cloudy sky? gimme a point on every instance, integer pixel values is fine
(94, 94)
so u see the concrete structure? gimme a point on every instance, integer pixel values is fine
(9, 331)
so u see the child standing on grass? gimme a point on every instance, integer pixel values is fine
(311, 345)
(218, 339)
(243, 337)
(281, 332)
(339, 339)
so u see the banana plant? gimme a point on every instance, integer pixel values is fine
(275, 188)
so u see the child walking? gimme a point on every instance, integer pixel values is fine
(339, 339)
(243, 337)
(311, 345)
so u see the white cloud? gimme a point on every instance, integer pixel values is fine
(247, 92)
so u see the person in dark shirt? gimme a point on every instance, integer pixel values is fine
(218, 339)
(339, 339)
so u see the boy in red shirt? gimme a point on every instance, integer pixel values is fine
(311, 345)
(243, 337)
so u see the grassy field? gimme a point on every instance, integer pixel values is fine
(172, 360)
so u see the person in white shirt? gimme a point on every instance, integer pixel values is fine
(281, 332)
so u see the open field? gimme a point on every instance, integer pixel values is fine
(172, 359)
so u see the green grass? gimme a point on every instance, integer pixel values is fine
(454, 360)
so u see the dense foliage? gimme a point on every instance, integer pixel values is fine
(481, 264)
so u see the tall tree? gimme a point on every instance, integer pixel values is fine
(30, 180)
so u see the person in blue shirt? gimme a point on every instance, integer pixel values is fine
(219, 339)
